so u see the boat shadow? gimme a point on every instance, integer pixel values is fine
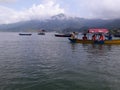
(102, 47)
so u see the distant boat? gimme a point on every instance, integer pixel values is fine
(41, 33)
(25, 34)
(63, 35)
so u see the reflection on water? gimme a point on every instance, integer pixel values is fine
(101, 66)
(91, 46)
(53, 63)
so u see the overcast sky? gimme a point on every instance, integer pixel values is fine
(20, 10)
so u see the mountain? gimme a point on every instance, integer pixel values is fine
(60, 22)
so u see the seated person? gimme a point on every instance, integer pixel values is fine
(73, 35)
(101, 38)
(109, 37)
(94, 37)
(84, 37)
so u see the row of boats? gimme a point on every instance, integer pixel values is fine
(105, 32)
(40, 32)
(88, 41)
(29, 34)
(69, 35)
(43, 33)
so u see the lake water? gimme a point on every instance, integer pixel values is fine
(46, 62)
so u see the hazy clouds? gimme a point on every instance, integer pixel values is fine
(103, 9)
(106, 9)
(40, 11)
(8, 1)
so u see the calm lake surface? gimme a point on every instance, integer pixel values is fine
(46, 62)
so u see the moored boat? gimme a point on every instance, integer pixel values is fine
(116, 41)
(25, 34)
(63, 35)
(41, 33)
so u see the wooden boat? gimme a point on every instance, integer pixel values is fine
(96, 31)
(63, 35)
(116, 41)
(41, 33)
(25, 34)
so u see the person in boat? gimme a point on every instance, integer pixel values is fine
(84, 37)
(94, 37)
(109, 37)
(101, 38)
(73, 35)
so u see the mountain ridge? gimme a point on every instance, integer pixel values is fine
(60, 22)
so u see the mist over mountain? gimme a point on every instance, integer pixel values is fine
(60, 22)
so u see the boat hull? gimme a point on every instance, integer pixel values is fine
(63, 35)
(117, 41)
(41, 33)
(25, 34)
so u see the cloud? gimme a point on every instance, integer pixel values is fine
(40, 11)
(6, 15)
(108, 9)
(44, 10)
(105, 9)
(8, 1)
